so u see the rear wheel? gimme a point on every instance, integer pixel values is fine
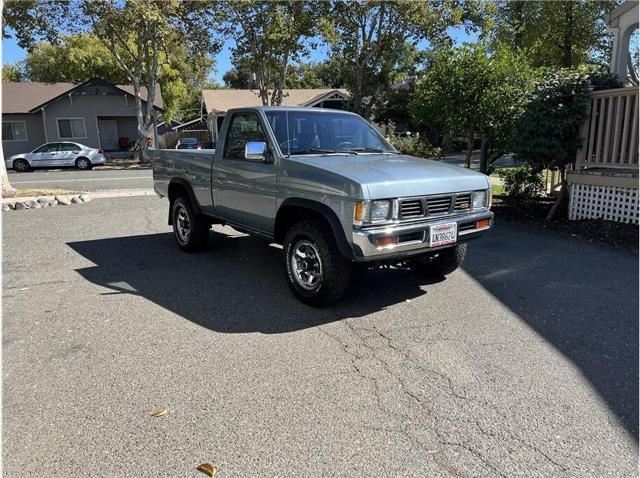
(316, 272)
(21, 165)
(444, 262)
(190, 230)
(83, 163)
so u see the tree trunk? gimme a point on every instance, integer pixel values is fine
(484, 154)
(560, 197)
(470, 138)
(567, 41)
(6, 185)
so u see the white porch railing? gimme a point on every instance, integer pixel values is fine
(611, 130)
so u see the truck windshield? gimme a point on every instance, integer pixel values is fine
(317, 132)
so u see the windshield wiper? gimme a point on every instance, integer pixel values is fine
(314, 150)
(369, 150)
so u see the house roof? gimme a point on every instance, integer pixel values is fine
(223, 100)
(23, 97)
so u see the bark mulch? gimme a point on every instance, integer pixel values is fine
(616, 234)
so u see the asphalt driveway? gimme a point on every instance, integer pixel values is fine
(524, 363)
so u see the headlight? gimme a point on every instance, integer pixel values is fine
(380, 210)
(479, 199)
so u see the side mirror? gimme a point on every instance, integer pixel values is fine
(255, 151)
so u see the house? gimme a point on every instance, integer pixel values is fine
(604, 182)
(217, 102)
(163, 127)
(95, 113)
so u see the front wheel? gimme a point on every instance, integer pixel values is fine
(21, 165)
(190, 230)
(316, 272)
(445, 261)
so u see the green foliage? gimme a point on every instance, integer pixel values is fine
(522, 184)
(562, 33)
(269, 36)
(12, 72)
(369, 38)
(547, 133)
(32, 20)
(74, 59)
(472, 90)
(413, 144)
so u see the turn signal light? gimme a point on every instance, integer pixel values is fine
(386, 241)
(483, 223)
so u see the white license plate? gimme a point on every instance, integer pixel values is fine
(441, 234)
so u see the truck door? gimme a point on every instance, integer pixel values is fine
(246, 190)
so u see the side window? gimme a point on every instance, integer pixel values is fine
(69, 147)
(244, 127)
(47, 148)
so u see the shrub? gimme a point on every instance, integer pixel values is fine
(522, 184)
(413, 144)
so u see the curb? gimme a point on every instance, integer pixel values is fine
(31, 202)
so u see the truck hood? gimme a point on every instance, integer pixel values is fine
(388, 176)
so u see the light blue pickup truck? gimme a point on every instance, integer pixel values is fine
(329, 188)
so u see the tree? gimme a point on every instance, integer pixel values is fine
(269, 36)
(28, 21)
(12, 72)
(367, 38)
(237, 78)
(548, 132)
(74, 59)
(143, 36)
(32, 20)
(563, 33)
(472, 90)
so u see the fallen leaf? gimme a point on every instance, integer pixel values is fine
(207, 469)
(160, 413)
(25, 288)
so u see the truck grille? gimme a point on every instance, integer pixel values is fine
(411, 208)
(439, 205)
(463, 202)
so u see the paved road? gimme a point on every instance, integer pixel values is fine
(98, 179)
(524, 363)
(94, 180)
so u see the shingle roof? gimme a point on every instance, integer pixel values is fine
(22, 97)
(222, 100)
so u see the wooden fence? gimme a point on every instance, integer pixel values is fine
(611, 130)
(170, 138)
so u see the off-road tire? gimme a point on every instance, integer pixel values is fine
(336, 269)
(447, 261)
(198, 234)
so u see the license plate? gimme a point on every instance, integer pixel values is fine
(441, 234)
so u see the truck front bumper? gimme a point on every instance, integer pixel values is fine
(413, 239)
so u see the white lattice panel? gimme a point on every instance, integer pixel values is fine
(612, 203)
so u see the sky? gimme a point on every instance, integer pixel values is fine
(11, 52)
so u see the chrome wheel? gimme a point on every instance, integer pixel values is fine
(20, 165)
(83, 163)
(183, 224)
(306, 265)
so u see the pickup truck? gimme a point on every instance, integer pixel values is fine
(330, 189)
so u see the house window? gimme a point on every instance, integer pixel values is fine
(71, 128)
(14, 131)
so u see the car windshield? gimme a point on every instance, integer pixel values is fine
(318, 132)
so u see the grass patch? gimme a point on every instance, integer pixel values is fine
(27, 192)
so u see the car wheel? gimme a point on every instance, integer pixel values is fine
(444, 262)
(83, 163)
(21, 165)
(190, 230)
(316, 272)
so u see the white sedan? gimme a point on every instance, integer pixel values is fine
(56, 155)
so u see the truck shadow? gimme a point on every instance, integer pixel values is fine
(236, 286)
